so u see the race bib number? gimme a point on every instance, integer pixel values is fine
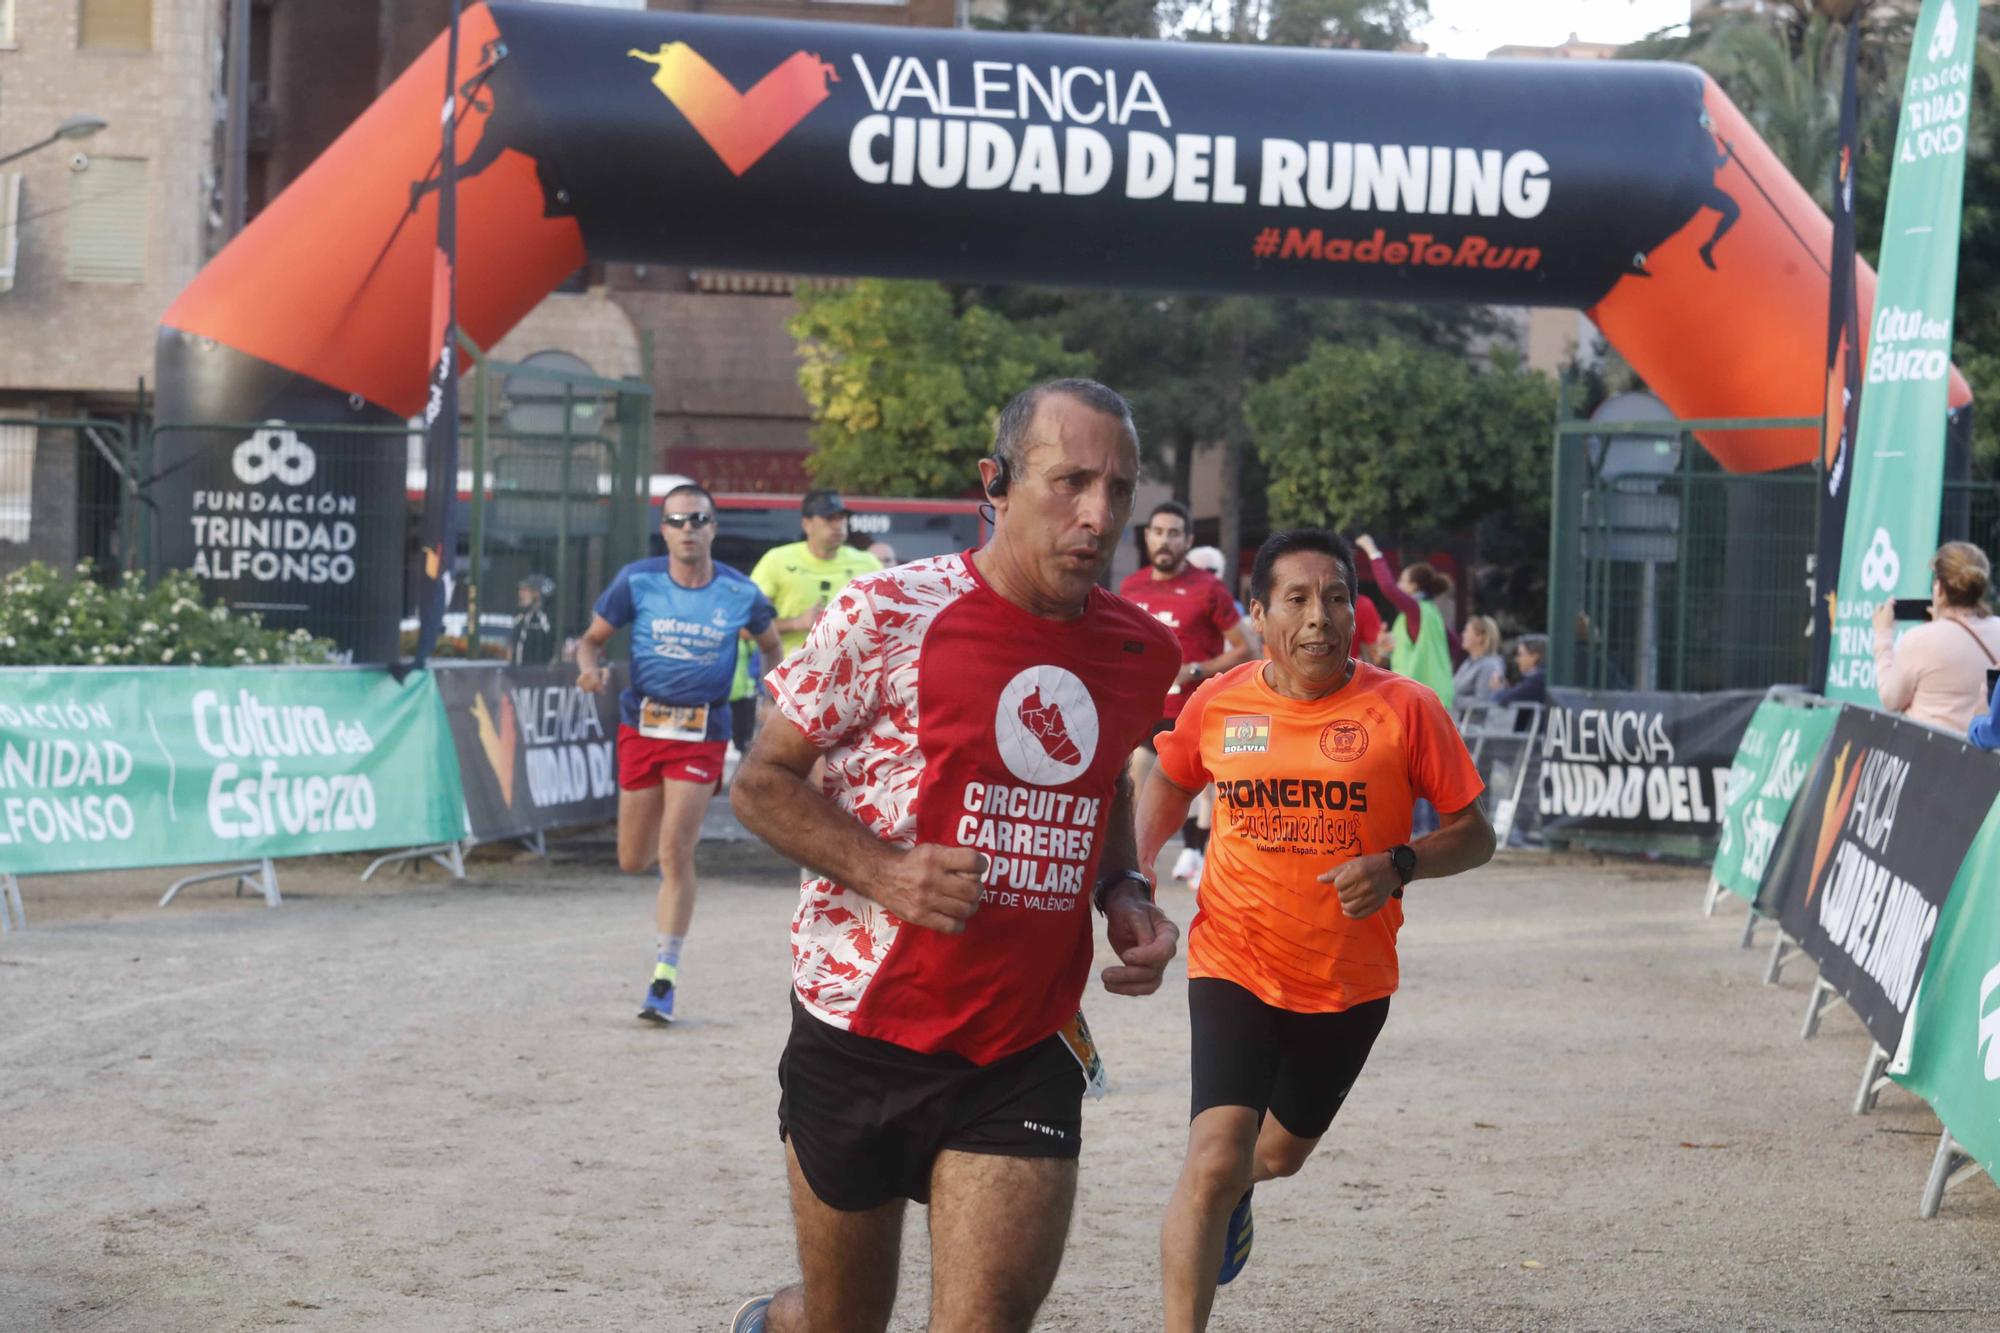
(673, 722)
(1076, 1035)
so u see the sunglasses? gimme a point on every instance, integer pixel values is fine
(678, 521)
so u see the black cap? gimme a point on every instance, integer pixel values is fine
(822, 504)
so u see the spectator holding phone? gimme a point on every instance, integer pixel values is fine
(1937, 673)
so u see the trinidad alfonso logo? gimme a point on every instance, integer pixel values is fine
(1046, 726)
(740, 126)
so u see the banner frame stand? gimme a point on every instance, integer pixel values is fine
(260, 875)
(1750, 929)
(449, 856)
(13, 915)
(1711, 895)
(1950, 1167)
(1823, 997)
(1873, 1080)
(1781, 950)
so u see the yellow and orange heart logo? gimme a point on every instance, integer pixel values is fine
(740, 126)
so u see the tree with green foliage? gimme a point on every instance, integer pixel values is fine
(1404, 438)
(905, 383)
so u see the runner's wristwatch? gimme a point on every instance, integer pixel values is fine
(1110, 882)
(1404, 858)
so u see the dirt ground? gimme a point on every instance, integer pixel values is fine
(413, 1105)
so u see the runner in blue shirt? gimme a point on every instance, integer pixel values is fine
(686, 612)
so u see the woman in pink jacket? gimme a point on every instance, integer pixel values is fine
(1937, 673)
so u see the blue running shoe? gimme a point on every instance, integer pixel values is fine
(1236, 1248)
(659, 1005)
(750, 1316)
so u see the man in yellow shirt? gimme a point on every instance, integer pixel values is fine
(801, 578)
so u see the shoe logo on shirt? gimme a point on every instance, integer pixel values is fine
(1046, 726)
(1344, 741)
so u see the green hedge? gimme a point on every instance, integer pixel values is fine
(48, 618)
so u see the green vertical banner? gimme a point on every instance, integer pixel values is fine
(1950, 1053)
(1898, 483)
(1773, 761)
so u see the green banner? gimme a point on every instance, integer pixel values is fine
(104, 769)
(1772, 764)
(1950, 1054)
(1898, 483)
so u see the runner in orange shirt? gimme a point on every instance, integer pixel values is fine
(1317, 761)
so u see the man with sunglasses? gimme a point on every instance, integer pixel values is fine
(686, 612)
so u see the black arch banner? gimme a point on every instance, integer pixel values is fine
(1633, 191)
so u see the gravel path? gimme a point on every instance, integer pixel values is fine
(412, 1106)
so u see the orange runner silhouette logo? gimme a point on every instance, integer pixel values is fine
(740, 126)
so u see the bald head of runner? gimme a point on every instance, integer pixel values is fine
(1065, 464)
(1302, 602)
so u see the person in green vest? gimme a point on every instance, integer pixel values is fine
(1419, 641)
(802, 577)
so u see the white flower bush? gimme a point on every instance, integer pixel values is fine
(49, 618)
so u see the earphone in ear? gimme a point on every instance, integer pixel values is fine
(998, 486)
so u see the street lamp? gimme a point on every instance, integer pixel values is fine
(72, 127)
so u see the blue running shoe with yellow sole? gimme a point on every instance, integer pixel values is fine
(659, 1004)
(1236, 1247)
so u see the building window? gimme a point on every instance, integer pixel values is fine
(114, 25)
(17, 482)
(107, 221)
(10, 228)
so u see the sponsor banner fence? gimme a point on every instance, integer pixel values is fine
(533, 750)
(1859, 879)
(117, 768)
(1773, 762)
(1638, 763)
(1952, 1057)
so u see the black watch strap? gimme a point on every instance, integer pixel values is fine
(1404, 858)
(1110, 882)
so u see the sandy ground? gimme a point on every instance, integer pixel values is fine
(416, 1106)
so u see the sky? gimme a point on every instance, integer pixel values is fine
(1468, 29)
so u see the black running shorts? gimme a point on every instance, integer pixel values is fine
(1299, 1067)
(1164, 724)
(867, 1118)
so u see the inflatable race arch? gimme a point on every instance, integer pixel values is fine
(1632, 191)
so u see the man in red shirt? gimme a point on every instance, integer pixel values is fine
(1196, 606)
(974, 712)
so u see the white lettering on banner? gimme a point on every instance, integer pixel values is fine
(251, 728)
(1878, 919)
(1672, 793)
(1989, 1024)
(269, 803)
(1896, 350)
(1598, 735)
(63, 790)
(567, 756)
(65, 819)
(64, 763)
(56, 717)
(942, 129)
(1877, 792)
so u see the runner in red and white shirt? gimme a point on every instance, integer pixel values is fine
(974, 712)
(1197, 607)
